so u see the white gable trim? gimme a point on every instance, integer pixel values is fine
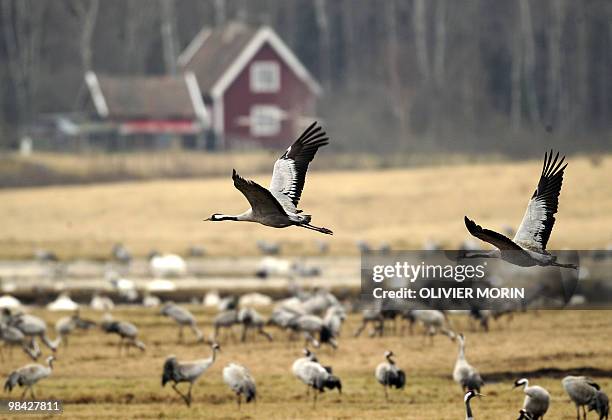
(196, 98)
(265, 34)
(96, 94)
(196, 43)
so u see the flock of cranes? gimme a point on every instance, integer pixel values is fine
(318, 377)
(320, 317)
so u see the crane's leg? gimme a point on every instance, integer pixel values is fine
(584, 411)
(180, 334)
(197, 332)
(386, 393)
(314, 401)
(184, 397)
(24, 393)
(32, 392)
(244, 333)
(239, 400)
(189, 393)
(577, 412)
(265, 334)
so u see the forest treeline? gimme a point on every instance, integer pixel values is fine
(471, 75)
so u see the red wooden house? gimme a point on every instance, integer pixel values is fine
(256, 91)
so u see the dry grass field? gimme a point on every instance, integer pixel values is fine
(94, 382)
(403, 207)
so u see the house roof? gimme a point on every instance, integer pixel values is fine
(217, 56)
(150, 97)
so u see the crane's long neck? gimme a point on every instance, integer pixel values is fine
(468, 410)
(247, 216)
(214, 355)
(390, 360)
(461, 355)
(526, 384)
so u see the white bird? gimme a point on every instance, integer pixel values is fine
(63, 303)
(167, 265)
(8, 301)
(389, 375)
(581, 391)
(466, 399)
(277, 206)
(465, 374)
(308, 370)
(183, 318)
(28, 375)
(177, 372)
(528, 248)
(537, 399)
(239, 379)
(101, 303)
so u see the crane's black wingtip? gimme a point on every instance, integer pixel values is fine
(471, 226)
(234, 174)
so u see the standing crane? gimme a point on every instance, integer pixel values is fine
(528, 248)
(581, 390)
(28, 375)
(183, 318)
(537, 399)
(465, 374)
(239, 379)
(127, 332)
(389, 375)
(316, 376)
(276, 206)
(177, 372)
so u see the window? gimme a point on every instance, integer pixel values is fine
(265, 120)
(265, 77)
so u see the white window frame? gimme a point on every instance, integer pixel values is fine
(267, 129)
(257, 85)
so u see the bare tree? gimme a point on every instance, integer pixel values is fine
(420, 37)
(86, 12)
(529, 59)
(324, 41)
(440, 45)
(554, 60)
(396, 88)
(22, 31)
(168, 33)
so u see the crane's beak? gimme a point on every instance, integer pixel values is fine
(207, 219)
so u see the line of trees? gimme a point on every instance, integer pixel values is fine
(467, 74)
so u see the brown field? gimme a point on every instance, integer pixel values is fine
(94, 382)
(403, 207)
